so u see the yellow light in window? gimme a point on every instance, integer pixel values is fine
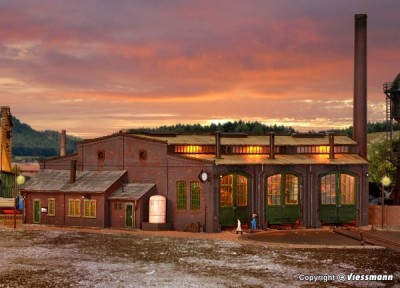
(194, 149)
(254, 149)
(323, 149)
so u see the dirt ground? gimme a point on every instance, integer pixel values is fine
(37, 256)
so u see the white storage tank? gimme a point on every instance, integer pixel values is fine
(158, 207)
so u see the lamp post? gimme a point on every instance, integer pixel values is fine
(385, 182)
(17, 182)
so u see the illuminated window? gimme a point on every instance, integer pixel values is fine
(181, 195)
(274, 191)
(241, 191)
(89, 210)
(51, 207)
(341, 149)
(242, 149)
(291, 189)
(328, 189)
(194, 149)
(347, 189)
(283, 188)
(74, 209)
(194, 195)
(323, 149)
(226, 195)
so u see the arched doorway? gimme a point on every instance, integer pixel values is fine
(338, 197)
(283, 198)
(233, 199)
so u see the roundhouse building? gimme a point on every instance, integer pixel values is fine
(214, 180)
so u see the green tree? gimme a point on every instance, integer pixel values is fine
(379, 166)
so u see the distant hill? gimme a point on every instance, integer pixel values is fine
(32, 144)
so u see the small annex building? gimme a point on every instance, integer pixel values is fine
(61, 197)
(130, 205)
(211, 179)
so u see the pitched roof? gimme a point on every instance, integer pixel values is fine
(132, 191)
(49, 180)
(280, 140)
(298, 159)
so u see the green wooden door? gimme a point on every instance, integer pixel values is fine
(337, 198)
(233, 199)
(283, 199)
(36, 211)
(128, 215)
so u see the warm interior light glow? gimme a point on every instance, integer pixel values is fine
(323, 149)
(254, 149)
(194, 149)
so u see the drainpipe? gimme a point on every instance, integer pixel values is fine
(217, 145)
(72, 177)
(310, 185)
(272, 145)
(123, 152)
(259, 192)
(331, 146)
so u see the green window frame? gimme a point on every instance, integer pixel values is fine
(241, 191)
(74, 207)
(347, 189)
(335, 184)
(328, 189)
(51, 207)
(291, 189)
(181, 195)
(284, 184)
(195, 195)
(89, 208)
(226, 197)
(274, 190)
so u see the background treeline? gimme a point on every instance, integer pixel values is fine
(29, 142)
(256, 128)
(372, 127)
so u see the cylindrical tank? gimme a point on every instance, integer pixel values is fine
(157, 211)
(394, 90)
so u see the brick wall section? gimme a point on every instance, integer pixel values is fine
(58, 219)
(188, 170)
(122, 152)
(61, 163)
(391, 216)
(61, 207)
(310, 194)
(141, 211)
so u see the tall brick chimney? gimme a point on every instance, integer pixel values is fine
(360, 84)
(63, 142)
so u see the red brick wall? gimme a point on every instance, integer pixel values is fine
(58, 219)
(181, 169)
(391, 215)
(61, 212)
(123, 153)
(141, 211)
(62, 163)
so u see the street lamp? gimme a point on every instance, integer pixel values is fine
(17, 181)
(385, 182)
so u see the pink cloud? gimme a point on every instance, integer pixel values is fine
(192, 61)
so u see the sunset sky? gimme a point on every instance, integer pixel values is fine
(95, 67)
